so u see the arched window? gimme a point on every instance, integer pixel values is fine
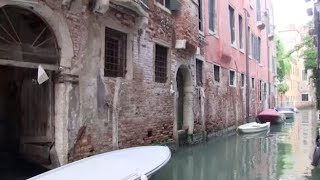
(26, 37)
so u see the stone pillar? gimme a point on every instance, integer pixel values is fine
(61, 120)
(188, 119)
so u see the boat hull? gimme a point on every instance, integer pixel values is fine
(125, 164)
(247, 129)
(288, 114)
(272, 116)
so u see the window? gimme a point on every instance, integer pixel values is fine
(252, 83)
(305, 97)
(265, 89)
(232, 78)
(240, 32)
(260, 90)
(200, 18)
(259, 50)
(165, 3)
(216, 73)
(252, 45)
(304, 75)
(199, 64)
(212, 15)
(232, 25)
(242, 80)
(249, 40)
(258, 10)
(160, 68)
(115, 53)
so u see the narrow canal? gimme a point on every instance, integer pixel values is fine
(283, 153)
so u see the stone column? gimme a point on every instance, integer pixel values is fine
(61, 121)
(188, 119)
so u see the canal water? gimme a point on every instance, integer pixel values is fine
(283, 153)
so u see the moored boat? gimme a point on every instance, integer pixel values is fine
(126, 164)
(271, 115)
(254, 127)
(289, 112)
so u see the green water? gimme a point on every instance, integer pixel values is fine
(283, 153)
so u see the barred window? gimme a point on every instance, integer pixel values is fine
(242, 80)
(161, 64)
(216, 73)
(252, 83)
(115, 53)
(232, 78)
(199, 72)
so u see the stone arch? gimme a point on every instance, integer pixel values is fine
(57, 23)
(59, 26)
(184, 105)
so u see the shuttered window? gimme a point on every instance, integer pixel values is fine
(240, 32)
(258, 10)
(232, 25)
(199, 72)
(212, 15)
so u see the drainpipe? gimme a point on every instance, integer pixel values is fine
(247, 65)
(268, 47)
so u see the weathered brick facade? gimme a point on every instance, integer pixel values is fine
(95, 113)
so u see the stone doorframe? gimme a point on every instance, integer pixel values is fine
(188, 90)
(62, 88)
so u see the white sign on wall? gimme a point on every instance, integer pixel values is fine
(42, 75)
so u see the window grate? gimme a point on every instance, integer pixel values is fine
(216, 71)
(232, 76)
(115, 53)
(199, 72)
(161, 64)
(242, 80)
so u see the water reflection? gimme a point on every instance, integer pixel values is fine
(283, 153)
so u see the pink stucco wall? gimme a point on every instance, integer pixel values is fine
(221, 42)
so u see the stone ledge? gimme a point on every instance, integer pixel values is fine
(225, 132)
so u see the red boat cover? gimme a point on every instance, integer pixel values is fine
(269, 112)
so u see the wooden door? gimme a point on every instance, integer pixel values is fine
(37, 132)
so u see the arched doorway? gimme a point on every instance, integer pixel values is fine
(26, 108)
(185, 122)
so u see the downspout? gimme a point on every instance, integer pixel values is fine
(268, 51)
(247, 66)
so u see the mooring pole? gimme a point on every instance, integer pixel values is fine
(247, 66)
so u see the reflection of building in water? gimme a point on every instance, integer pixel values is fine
(294, 136)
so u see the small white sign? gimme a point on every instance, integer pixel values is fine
(42, 75)
(181, 44)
